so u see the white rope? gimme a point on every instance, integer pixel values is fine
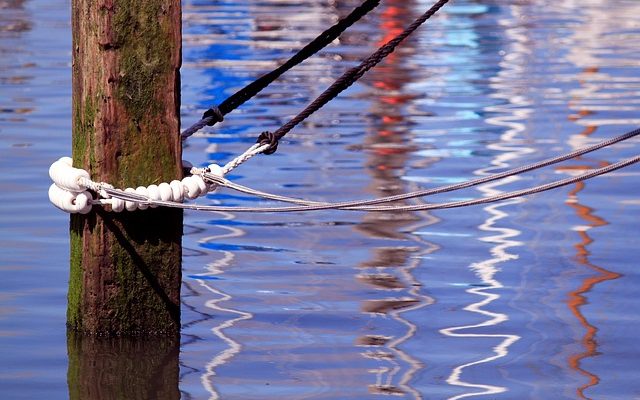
(250, 153)
(69, 201)
(70, 189)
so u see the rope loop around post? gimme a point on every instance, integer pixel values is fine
(269, 138)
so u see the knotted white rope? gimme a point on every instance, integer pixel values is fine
(69, 190)
(305, 205)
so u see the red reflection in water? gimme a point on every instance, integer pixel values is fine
(389, 271)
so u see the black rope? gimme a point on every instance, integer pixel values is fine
(352, 75)
(216, 114)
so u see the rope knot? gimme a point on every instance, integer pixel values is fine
(269, 138)
(215, 114)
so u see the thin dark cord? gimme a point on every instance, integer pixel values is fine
(216, 114)
(352, 75)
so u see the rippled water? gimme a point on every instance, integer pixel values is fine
(531, 298)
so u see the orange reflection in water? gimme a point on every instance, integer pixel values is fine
(578, 298)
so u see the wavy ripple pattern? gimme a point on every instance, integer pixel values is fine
(420, 305)
(534, 298)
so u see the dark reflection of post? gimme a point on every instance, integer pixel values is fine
(122, 368)
(390, 268)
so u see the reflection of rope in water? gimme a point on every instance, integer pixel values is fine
(216, 268)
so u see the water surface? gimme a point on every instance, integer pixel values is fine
(529, 298)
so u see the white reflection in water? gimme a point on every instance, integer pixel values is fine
(511, 117)
(213, 269)
(486, 271)
(606, 83)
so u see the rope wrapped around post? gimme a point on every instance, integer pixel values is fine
(72, 188)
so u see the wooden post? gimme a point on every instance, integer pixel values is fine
(126, 267)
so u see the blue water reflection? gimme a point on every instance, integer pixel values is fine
(525, 299)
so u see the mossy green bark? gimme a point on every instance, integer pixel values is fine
(74, 297)
(126, 268)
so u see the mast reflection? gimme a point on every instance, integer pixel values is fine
(578, 297)
(511, 114)
(389, 270)
(605, 95)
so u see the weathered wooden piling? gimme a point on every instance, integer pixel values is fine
(126, 267)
